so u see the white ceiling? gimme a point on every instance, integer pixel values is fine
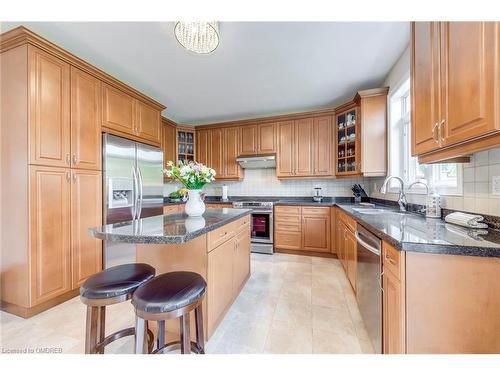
(259, 68)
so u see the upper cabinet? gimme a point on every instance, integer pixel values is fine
(257, 139)
(125, 115)
(185, 144)
(169, 135)
(203, 143)
(49, 109)
(231, 168)
(455, 88)
(361, 134)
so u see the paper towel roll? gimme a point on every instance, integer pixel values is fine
(224, 192)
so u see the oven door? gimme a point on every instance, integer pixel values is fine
(262, 227)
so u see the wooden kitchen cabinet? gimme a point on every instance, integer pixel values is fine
(203, 145)
(267, 138)
(454, 90)
(232, 169)
(50, 218)
(351, 255)
(303, 150)
(86, 211)
(316, 229)
(85, 120)
(241, 263)
(118, 111)
(49, 110)
(322, 146)
(148, 121)
(285, 165)
(393, 320)
(168, 145)
(216, 152)
(347, 245)
(258, 139)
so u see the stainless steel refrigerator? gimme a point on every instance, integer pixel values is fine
(132, 188)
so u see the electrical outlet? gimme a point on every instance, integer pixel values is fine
(495, 185)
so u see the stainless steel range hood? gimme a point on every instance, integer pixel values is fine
(257, 162)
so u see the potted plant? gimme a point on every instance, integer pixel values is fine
(193, 176)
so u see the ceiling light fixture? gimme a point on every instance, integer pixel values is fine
(199, 37)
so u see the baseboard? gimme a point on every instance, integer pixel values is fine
(307, 253)
(27, 312)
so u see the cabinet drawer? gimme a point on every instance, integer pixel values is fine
(288, 219)
(242, 224)
(287, 240)
(171, 209)
(391, 259)
(294, 210)
(288, 227)
(220, 235)
(323, 211)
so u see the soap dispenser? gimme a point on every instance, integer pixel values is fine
(433, 204)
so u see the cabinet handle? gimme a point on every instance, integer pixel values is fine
(74, 178)
(68, 159)
(391, 261)
(381, 281)
(441, 126)
(434, 135)
(68, 176)
(75, 160)
(222, 234)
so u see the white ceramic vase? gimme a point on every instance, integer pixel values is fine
(194, 205)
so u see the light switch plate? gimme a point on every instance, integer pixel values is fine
(495, 185)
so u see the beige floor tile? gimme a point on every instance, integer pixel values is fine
(335, 343)
(293, 312)
(288, 338)
(327, 297)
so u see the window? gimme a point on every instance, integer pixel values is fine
(446, 178)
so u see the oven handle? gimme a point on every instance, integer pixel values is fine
(365, 245)
(261, 212)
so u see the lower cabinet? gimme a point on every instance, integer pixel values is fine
(228, 269)
(351, 257)
(64, 204)
(346, 246)
(173, 208)
(302, 228)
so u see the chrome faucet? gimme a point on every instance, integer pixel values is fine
(402, 197)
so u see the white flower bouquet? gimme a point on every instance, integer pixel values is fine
(190, 174)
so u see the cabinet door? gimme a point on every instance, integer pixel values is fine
(248, 140)
(286, 137)
(425, 87)
(351, 255)
(316, 231)
(333, 231)
(392, 317)
(303, 147)
(168, 143)
(148, 122)
(49, 130)
(216, 152)
(203, 147)
(231, 149)
(341, 234)
(469, 73)
(50, 190)
(267, 138)
(322, 146)
(86, 209)
(220, 282)
(241, 265)
(118, 110)
(85, 120)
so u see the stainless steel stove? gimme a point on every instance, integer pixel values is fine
(262, 225)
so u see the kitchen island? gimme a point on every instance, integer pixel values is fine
(216, 246)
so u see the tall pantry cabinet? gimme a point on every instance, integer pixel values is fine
(50, 158)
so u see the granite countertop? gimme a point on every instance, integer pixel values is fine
(414, 232)
(168, 229)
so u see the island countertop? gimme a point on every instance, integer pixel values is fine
(168, 229)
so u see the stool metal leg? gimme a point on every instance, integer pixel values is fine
(140, 336)
(185, 334)
(91, 329)
(200, 338)
(160, 342)
(102, 326)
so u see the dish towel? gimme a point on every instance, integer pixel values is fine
(466, 220)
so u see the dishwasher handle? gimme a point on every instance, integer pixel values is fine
(366, 245)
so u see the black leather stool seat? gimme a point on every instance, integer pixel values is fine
(169, 291)
(116, 281)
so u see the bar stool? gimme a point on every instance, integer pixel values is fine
(108, 287)
(169, 296)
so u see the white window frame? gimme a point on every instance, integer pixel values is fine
(404, 167)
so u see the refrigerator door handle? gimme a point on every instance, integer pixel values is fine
(135, 194)
(141, 191)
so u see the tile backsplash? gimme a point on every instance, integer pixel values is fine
(263, 182)
(477, 186)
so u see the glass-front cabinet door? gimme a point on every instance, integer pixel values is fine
(348, 152)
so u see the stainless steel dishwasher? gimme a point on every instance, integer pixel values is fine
(368, 285)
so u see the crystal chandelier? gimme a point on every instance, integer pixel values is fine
(198, 37)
